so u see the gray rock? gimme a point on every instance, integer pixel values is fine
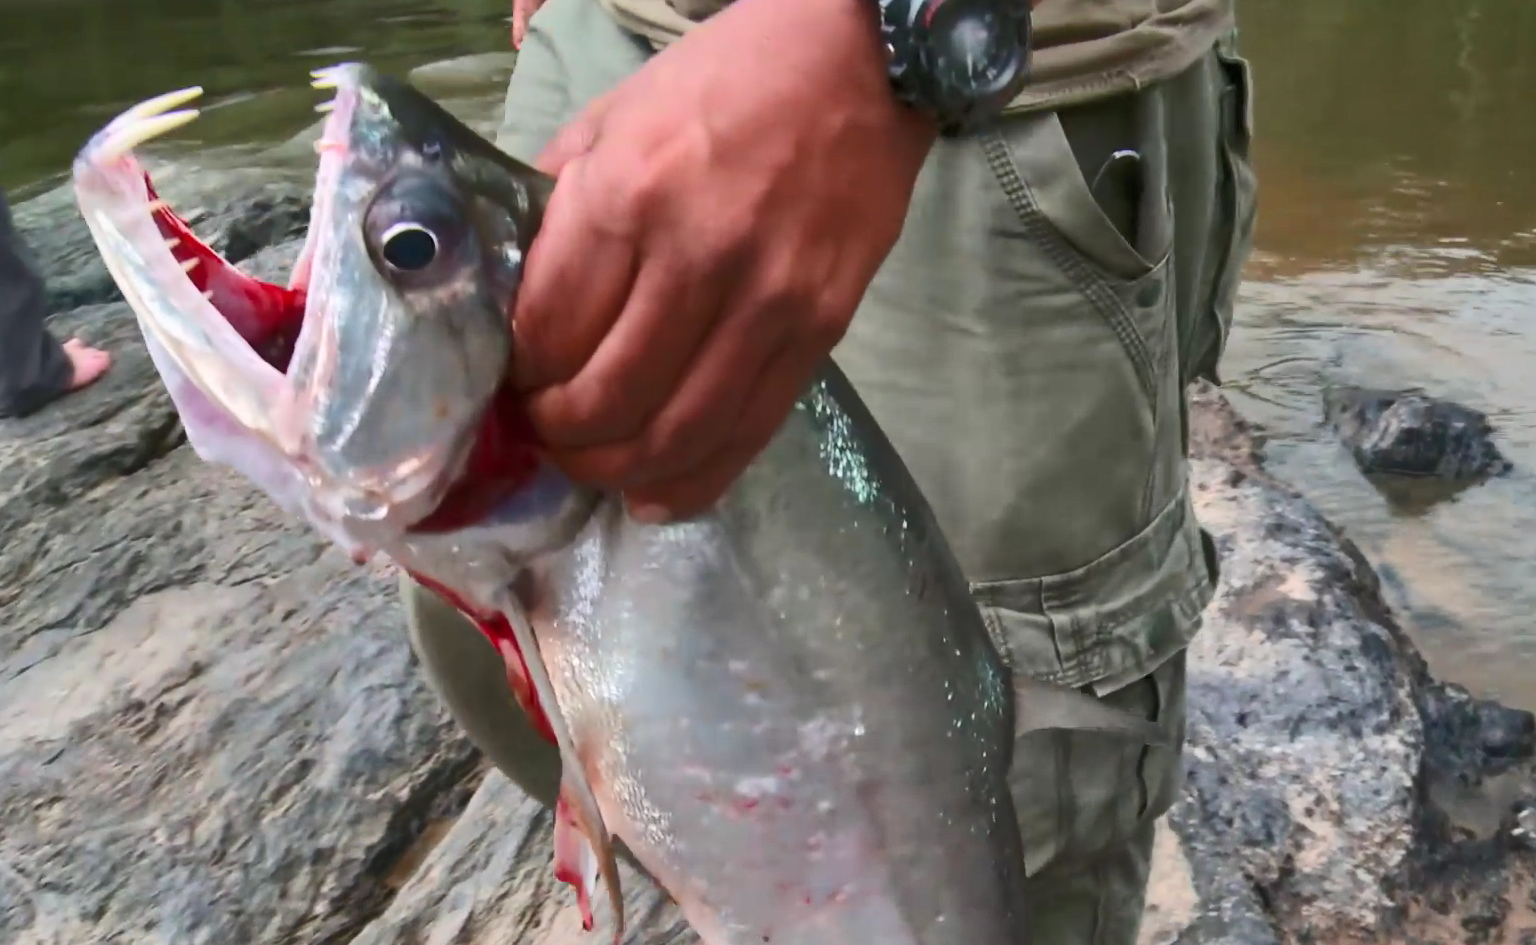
(1319, 744)
(1407, 433)
(1304, 739)
(211, 728)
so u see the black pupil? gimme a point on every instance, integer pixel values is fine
(410, 249)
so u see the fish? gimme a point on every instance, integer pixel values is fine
(789, 709)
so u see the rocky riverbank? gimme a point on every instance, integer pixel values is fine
(211, 729)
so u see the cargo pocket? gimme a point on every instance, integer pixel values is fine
(1081, 795)
(1113, 617)
(1125, 284)
(1237, 205)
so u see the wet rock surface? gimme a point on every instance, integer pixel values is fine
(1336, 791)
(1407, 433)
(212, 730)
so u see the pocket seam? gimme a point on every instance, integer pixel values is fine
(1162, 683)
(1237, 177)
(1091, 284)
(1144, 757)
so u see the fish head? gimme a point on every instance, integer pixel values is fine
(359, 395)
(413, 260)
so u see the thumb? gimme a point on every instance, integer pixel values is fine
(575, 138)
(522, 10)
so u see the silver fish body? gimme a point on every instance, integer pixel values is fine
(789, 708)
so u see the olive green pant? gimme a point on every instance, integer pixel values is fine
(1026, 346)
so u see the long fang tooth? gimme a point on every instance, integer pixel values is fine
(155, 206)
(140, 132)
(323, 146)
(172, 243)
(325, 83)
(190, 265)
(208, 294)
(324, 107)
(161, 103)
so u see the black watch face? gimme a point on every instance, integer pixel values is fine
(973, 46)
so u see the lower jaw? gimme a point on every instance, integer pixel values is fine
(266, 316)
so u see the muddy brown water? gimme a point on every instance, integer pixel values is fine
(1396, 245)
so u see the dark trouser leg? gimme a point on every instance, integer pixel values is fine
(33, 366)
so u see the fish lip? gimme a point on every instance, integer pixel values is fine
(347, 79)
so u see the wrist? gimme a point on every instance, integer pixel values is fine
(851, 30)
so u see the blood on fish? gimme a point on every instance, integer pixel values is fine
(266, 316)
(499, 632)
(568, 852)
(504, 459)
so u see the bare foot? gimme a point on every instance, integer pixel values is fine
(89, 363)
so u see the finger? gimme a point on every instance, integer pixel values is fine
(640, 362)
(575, 281)
(784, 380)
(700, 417)
(575, 138)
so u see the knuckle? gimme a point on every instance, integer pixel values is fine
(732, 226)
(571, 415)
(631, 187)
(672, 440)
(816, 316)
(629, 200)
(823, 327)
(600, 467)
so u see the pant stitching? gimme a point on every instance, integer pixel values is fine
(1090, 284)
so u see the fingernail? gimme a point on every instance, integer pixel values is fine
(648, 513)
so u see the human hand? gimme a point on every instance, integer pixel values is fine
(717, 218)
(521, 11)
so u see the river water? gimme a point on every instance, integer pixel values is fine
(1396, 245)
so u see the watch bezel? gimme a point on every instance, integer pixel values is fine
(905, 30)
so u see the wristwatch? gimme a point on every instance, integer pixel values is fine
(961, 61)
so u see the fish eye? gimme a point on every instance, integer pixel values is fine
(408, 247)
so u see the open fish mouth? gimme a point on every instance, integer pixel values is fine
(254, 367)
(198, 311)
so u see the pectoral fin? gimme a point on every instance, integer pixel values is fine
(583, 846)
(1039, 706)
(577, 862)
